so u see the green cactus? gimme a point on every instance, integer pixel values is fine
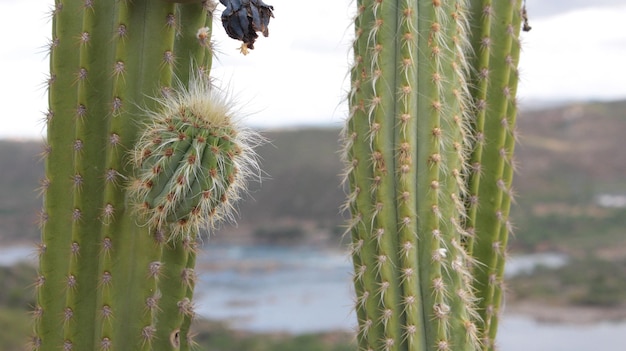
(496, 46)
(419, 273)
(191, 160)
(131, 75)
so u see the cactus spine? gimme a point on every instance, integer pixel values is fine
(109, 280)
(407, 150)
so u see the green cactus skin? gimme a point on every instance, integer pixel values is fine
(495, 78)
(408, 150)
(105, 280)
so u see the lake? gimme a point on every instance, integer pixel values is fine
(300, 290)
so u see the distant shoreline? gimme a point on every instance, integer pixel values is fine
(539, 311)
(565, 314)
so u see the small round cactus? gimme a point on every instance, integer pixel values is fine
(192, 160)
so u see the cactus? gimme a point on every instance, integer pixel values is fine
(494, 81)
(129, 94)
(191, 160)
(409, 145)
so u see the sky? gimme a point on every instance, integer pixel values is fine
(298, 75)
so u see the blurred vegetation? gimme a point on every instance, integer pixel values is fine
(587, 281)
(216, 336)
(16, 299)
(19, 180)
(572, 233)
(302, 181)
(567, 157)
(279, 236)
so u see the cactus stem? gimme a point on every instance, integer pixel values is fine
(96, 276)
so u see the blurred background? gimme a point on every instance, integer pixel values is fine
(280, 278)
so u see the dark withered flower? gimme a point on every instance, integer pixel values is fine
(242, 19)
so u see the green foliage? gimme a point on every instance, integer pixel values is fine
(16, 281)
(279, 236)
(214, 336)
(16, 297)
(14, 325)
(587, 281)
(572, 232)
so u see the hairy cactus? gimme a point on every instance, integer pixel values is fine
(192, 160)
(408, 145)
(112, 277)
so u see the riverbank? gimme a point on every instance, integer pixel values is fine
(565, 314)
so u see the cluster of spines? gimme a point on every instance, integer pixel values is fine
(496, 53)
(401, 252)
(90, 239)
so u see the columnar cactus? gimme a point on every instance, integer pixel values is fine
(408, 146)
(116, 274)
(494, 84)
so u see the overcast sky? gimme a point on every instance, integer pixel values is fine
(297, 76)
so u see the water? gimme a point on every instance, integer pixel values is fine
(299, 290)
(293, 289)
(267, 289)
(11, 255)
(527, 263)
(523, 334)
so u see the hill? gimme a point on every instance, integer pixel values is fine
(19, 179)
(568, 156)
(569, 159)
(300, 187)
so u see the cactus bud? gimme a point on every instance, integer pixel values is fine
(191, 160)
